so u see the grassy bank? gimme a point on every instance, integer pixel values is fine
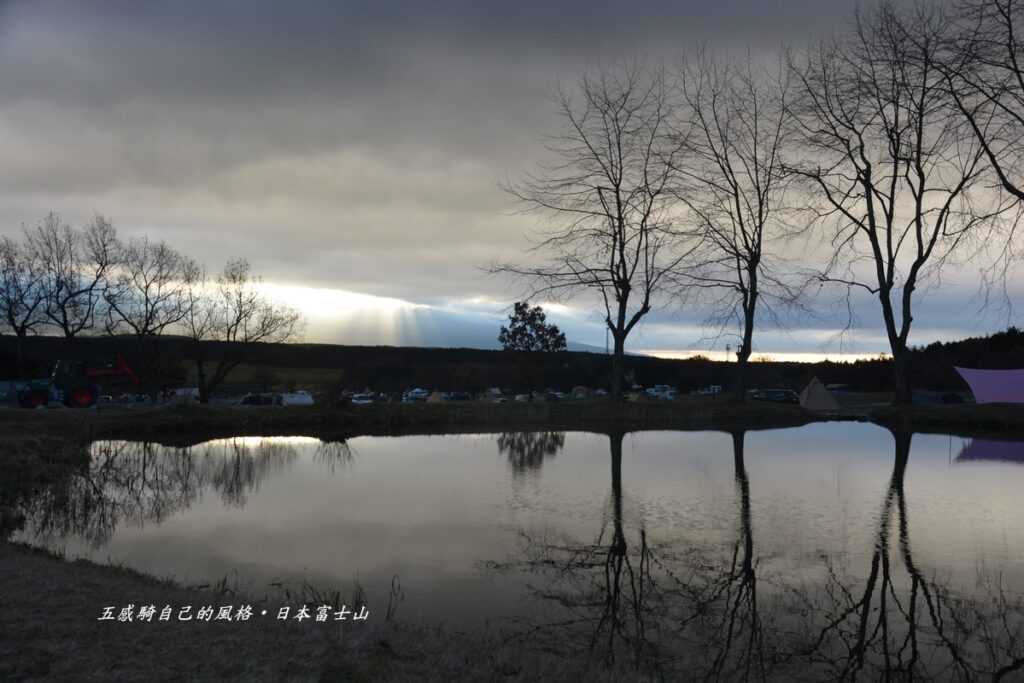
(189, 424)
(51, 632)
(186, 424)
(968, 419)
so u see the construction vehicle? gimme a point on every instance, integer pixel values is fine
(73, 383)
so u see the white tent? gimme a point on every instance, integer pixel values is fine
(816, 397)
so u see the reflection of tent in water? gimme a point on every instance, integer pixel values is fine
(816, 397)
(994, 386)
(987, 449)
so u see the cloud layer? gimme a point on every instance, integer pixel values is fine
(349, 145)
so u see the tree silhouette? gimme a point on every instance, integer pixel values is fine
(528, 330)
(614, 232)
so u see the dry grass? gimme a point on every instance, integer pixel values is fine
(51, 632)
(50, 621)
(966, 419)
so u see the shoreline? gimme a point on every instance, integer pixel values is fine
(186, 425)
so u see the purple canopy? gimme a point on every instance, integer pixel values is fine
(985, 449)
(994, 386)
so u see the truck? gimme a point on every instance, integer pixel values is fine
(74, 383)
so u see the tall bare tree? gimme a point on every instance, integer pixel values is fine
(22, 294)
(609, 200)
(232, 310)
(148, 290)
(76, 264)
(894, 176)
(736, 128)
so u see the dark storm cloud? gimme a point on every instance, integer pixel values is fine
(354, 145)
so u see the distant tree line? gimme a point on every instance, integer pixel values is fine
(87, 281)
(894, 148)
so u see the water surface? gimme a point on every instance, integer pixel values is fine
(832, 550)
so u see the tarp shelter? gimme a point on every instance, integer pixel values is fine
(816, 397)
(994, 386)
(988, 449)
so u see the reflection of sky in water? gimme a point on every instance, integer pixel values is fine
(434, 509)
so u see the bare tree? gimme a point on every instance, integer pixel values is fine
(75, 266)
(234, 311)
(983, 67)
(733, 182)
(22, 294)
(149, 288)
(609, 198)
(894, 177)
(982, 64)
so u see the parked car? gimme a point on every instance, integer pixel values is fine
(260, 400)
(415, 395)
(775, 395)
(522, 398)
(362, 399)
(661, 392)
(297, 398)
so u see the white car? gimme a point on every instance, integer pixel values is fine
(661, 392)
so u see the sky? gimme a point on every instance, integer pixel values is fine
(354, 151)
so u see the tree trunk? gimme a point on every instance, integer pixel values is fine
(902, 457)
(901, 377)
(739, 387)
(898, 346)
(20, 343)
(618, 368)
(743, 489)
(619, 537)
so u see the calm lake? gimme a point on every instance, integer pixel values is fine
(834, 548)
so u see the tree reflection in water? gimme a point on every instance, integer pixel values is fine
(707, 613)
(138, 483)
(527, 451)
(911, 626)
(334, 455)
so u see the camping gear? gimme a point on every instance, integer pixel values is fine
(994, 386)
(816, 397)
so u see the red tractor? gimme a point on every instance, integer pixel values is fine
(73, 383)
